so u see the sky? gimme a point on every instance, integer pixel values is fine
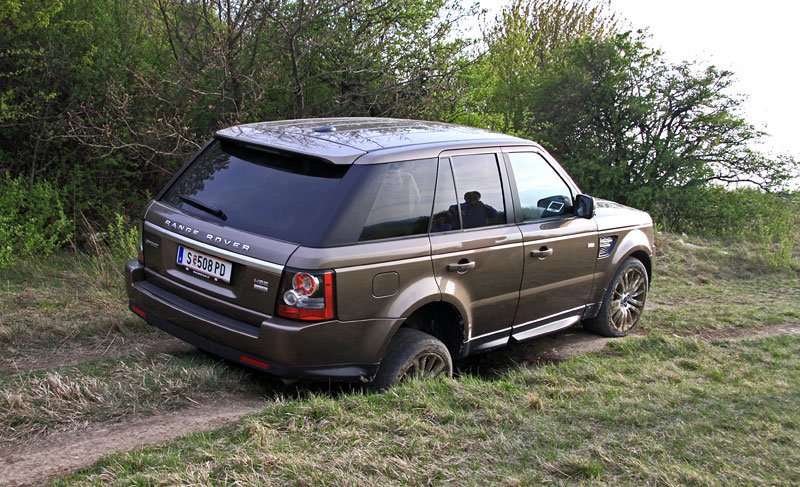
(758, 41)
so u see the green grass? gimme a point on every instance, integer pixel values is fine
(659, 410)
(708, 285)
(57, 304)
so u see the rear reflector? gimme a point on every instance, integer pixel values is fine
(138, 311)
(253, 361)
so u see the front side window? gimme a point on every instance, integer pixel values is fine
(481, 193)
(402, 205)
(542, 192)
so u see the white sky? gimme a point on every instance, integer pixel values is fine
(759, 41)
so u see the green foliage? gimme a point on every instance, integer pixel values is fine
(628, 124)
(32, 220)
(527, 36)
(108, 252)
(744, 214)
(105, 99)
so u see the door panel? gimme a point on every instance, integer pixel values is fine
(560, 250)
(490, 288)
(560, 258)
(476, 248)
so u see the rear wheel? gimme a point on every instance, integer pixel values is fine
(624, 301)
(413, 354)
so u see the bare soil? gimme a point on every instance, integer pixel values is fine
(65, 453)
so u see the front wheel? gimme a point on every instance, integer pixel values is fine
(412, 354)
(624, 301)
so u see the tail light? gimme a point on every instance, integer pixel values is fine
(306, 296)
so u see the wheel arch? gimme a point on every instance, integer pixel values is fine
(440, 319)
(635, 243)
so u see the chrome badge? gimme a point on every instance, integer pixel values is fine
(261, 285)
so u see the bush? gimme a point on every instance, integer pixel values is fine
(32, 220)
(747, 215)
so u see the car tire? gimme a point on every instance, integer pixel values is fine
(624, 301)
(412, 354)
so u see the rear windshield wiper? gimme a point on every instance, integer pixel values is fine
(207, 208)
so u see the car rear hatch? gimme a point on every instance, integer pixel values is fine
(220, 234)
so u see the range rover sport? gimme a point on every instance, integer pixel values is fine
(379, 249)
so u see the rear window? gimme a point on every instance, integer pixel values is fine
(277, 195)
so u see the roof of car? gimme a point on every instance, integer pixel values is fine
(365, 140)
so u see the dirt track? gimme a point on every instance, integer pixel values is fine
(65, 453)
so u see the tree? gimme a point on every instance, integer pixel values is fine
(627, 123)
(526, 37)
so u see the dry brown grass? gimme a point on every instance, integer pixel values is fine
(43, 402)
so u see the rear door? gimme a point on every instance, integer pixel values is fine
(560, 250)
(476, 248)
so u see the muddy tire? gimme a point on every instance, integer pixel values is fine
(412, 354)
(624, 301)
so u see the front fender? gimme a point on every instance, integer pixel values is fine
(636, 242)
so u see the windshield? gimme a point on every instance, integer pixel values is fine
(277, 195)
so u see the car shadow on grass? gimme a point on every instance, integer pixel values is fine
(543, 350)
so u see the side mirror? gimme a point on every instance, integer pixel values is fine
(584, 206)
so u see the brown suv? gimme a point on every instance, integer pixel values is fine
(379, 249)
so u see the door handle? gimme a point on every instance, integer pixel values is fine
(461, 266)
(542, 253)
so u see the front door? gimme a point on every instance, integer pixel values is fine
(560, 249)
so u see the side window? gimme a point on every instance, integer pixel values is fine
(542, 192)
(443, 219)
(478, 184)
(402, 205)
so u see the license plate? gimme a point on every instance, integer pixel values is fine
(204, 264)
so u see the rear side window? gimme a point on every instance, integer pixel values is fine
(277, 195)
(542, 192)
(402, 205)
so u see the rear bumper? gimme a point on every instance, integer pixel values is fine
(325, 350)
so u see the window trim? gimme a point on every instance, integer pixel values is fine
(559, 171)
(511, 210)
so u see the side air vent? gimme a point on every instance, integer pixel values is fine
(606, 246)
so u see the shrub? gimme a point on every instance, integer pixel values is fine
(744, 214)
(32, 219)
